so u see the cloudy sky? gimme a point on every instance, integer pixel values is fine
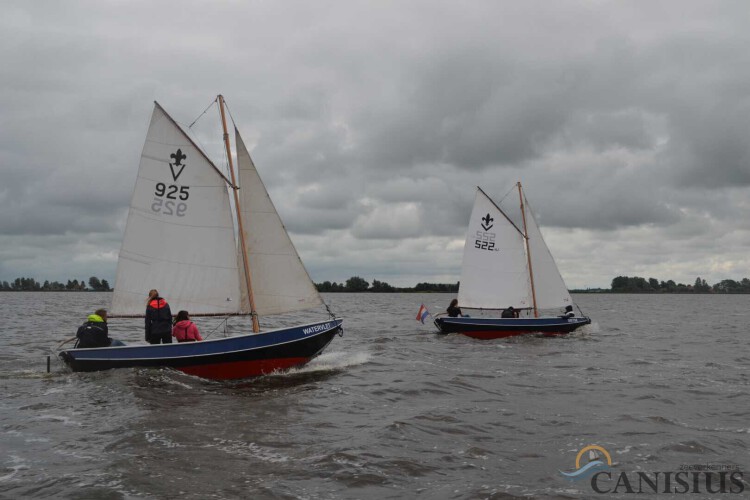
(372, 123)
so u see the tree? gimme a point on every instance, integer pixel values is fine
(356, 284)
(94, 283)
(105, 286)
(701, 286)
(381, 286)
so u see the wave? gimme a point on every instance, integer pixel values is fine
(330, 361)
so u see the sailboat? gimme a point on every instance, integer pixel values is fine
(505, 266)
(210, 257)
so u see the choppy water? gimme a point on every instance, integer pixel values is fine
(391, 410)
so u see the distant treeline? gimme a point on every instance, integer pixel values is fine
(357, 284)
(620, 284)
(636, 284)
(32, 285)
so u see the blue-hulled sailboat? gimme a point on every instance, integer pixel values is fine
(211, 257)
(505, 266)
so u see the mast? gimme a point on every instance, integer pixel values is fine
(528, 251)
(248, 281)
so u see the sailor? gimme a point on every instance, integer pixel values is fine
(509, 313)
(568, 312)
(158, 320)
(94, 332)
(185, 330)
(453, 310)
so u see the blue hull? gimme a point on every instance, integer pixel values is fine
(495, 328)
(228, 358)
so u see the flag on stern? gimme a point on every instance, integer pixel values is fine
(422, 313)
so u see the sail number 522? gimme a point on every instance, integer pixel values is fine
(485, 241)
(163, 199)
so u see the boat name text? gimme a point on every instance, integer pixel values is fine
(316, 328)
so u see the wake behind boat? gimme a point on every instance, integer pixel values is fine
(505, 266)
(181, 238)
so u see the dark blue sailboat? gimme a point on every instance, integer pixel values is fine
(504, 266)
(235, 357)
(211, 257)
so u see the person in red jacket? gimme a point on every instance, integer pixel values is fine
(185, 330)
(158, 320)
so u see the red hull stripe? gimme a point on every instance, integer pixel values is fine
(501, 334)
(242, 369)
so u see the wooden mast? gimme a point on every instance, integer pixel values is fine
(528, 251)
(248, 281)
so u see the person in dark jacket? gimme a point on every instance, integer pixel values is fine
(510, 312)
(94, 332)
(158, 320)
(453, 310)
(568, 312)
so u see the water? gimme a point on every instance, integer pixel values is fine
(391, 410)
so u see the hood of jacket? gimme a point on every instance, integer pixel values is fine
(157, 303)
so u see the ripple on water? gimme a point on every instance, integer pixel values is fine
(690, 447)
(390, 410)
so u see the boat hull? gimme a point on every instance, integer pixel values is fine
(497, 328)
(228, 358)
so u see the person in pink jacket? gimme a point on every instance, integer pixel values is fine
(185, 330)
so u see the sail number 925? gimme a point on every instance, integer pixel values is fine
(485, 241)
(162, 190)
(163, 199)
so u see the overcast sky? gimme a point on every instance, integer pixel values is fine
(372, 123)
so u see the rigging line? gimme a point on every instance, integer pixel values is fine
(224, 150)
(580, 310)
(204, 112)
(333, 316)
(234, 123)
(506, 195)
(224, 322)
(226, 105)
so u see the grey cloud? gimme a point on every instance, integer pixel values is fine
(372, 123)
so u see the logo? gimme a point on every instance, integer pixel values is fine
(484, 239)
(177, 157)
(594, 465)
(487, 220)
(171, 199)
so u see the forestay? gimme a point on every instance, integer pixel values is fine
(179, 237)
(280, 281)
(494, 272)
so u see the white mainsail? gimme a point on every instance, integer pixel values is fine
(494, 272)
(280, 281)
(549, 286)
(179, 237)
